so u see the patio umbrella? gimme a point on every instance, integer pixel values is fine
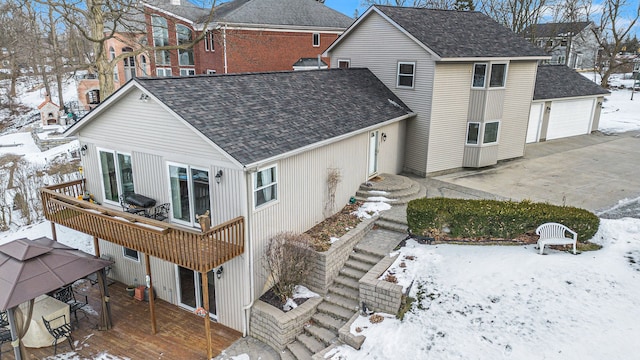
(30, 268)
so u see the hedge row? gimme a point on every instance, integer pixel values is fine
(476, 219)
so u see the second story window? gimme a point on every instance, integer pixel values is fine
(265, 186)
(161, 38)
(498, 75)
(316, 39)
(117, 175)
(208, 42)
(406, 74)
(479, 75)
(183, 34)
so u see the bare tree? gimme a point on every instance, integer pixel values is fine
(98, 21)
(516, 15)
(617, 19)
(414, 3)
(287, 260)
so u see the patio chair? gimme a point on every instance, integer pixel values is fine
(161, 212)
(59, 332)
(67, 295)
(4, 320)
(5, 336)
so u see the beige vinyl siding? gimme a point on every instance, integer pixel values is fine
(517, 105)
(302, 189)
(231, 293)
(477, 103)
(449, 116)
(379, 46)
(150, 129)
(495, 105)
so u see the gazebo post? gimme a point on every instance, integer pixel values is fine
(96, 246)
(53, 231)
(207, 321)
(152, 306)
(15, 342)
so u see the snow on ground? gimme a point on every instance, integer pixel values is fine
(619, 112)
(67, 236)
(490, 302)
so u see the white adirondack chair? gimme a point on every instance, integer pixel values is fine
(555, 234)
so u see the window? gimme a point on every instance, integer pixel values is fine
(143, 62)
(265, 186)
(406, 74)
(549, 43)
(112, 55)
(344, 64)
(563, 42)
(183, 34)
(473, 130)
(211, 72)
(160, 38)
(117, 175)
(190, 193)
(187, 72)
(208, 42)
(491, 132)
(130, 254)
(316, 39)
(498, 75)
(93, 97)
(479, 75)
(129, 65)
(163, 71)
(562, 59)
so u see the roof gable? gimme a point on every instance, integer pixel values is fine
(308, 13)
(560, 81)
(254, 117)
(441, 31)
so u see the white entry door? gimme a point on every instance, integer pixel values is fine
(373, 153)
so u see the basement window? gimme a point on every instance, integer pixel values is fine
(130, 254)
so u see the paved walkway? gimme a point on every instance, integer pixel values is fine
(248, 348)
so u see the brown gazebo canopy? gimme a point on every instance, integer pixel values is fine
(30, 268)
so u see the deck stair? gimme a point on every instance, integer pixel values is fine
(338, 306)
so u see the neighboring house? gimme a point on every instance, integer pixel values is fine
(565, 103)
(471, 86)
(254, 150)
(573, 44)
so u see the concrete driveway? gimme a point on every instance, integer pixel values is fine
(593, 172)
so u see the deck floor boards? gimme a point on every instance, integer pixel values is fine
(181, 334)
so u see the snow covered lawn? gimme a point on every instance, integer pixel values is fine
(492, 302)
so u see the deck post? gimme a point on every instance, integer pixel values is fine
(96, 246)
(207, 320)
(152, 306)
(53, 231)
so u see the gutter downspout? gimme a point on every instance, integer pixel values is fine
(224, 46)
(247, 308)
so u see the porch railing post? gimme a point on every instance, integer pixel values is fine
(207, 320)
(152, 307)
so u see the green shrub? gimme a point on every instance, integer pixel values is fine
(480, 219)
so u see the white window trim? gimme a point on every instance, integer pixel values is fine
(209, 45)
(484, 128)
(413, 75)
(118, 180)
(479, 140)
(473, 75)
(313, 39)
(165, 69)
(506, 75)
(130, 258)
(188, 70)
(211, 72)
(192, 215)
(348, 61)
(253, 189)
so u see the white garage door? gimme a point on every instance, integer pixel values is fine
(570, 118)
(535, 118)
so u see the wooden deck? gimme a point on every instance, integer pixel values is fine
(181, 334)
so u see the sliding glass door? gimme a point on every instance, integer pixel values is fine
(190, 290)
(117, 175)
(190, 193)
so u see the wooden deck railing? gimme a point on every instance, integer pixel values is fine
(191, 249)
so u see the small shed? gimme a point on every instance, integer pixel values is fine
(565, 103)
(50, 113)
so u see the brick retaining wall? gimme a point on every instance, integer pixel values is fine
(380, 295)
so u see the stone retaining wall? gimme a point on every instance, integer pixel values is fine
(277, 328)
(327, 264)
(380, 295)
(49, 143)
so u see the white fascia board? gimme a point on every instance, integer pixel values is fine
(489, 59)
(280, 28)
(371, 9)
(169, 13)
(571, 98)
(258, 164)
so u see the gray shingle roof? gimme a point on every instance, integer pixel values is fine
(552, 30)
(456, 34)
(256, 116)
(185, 10)
(281, 12)
(559, 81)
